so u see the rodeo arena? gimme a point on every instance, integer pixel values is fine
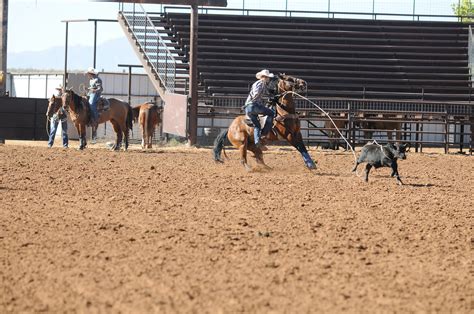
(259, 157)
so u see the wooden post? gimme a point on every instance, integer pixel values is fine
(193, 93)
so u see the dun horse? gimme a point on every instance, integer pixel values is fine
(286, 126)
(148, 115)
(119, 114)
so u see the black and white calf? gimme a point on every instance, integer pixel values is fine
(377, 156)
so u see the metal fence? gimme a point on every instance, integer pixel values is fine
(447, 125)
(419, 10)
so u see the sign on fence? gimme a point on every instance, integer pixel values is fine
(175, 114)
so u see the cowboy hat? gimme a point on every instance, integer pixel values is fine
(60, 87)
(264, 72)
(91, 70)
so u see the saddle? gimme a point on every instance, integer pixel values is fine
(103, 104)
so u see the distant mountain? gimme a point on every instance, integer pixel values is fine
(109, 54)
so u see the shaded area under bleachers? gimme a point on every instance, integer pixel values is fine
(351, 58)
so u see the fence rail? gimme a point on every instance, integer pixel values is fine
(447, 125)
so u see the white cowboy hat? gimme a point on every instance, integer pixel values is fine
(60, 87)
(264, 72)
(91, 70)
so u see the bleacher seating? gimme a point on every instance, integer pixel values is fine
(353, 58)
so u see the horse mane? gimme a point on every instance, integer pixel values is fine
(78, 101)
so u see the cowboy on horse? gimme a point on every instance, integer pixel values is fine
(255, 105)
(94, 92)
(245, 136)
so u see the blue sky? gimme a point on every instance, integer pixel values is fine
(36, 24)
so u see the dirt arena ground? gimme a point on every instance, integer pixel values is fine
(168, 230)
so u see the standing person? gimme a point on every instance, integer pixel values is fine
(94, 91)
(255, 105)
(60, 116)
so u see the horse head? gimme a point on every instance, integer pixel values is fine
(72, 101)
(54, 104)
(289, 83)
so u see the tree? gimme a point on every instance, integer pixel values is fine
(463, 8)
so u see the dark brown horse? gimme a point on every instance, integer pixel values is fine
(286, 126)
(148, 116)
(119, 114)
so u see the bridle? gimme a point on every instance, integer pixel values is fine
(296, 86)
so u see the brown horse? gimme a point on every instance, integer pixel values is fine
(286, 126)
(54, 104)
(119, 114)
(148, 115)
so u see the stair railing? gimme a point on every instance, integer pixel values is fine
(155, 50)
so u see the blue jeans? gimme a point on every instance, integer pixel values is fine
(93, 99)
(54, 128)
(253, 110)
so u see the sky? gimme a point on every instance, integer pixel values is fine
(36, 24)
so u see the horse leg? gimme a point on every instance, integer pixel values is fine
(258, 155)
(122, 135)
(94, 133)
(143, 138)
(150, 137)
(297, 141)
(118, 135)
(82, 136)
(126, 135)
(241, 145)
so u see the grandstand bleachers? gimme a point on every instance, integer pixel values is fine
(350, 58)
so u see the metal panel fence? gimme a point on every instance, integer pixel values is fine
(23, 118)
(447, 125)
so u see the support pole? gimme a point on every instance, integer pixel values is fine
(129, 85)
(65, 57)
(95, 43)
(193, 94)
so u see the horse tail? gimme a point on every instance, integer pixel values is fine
(219, 145)
(129, 117)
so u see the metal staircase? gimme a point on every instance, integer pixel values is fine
(152, 45)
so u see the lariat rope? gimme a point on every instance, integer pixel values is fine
(338, 131)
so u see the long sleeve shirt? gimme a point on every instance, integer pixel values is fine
(257, 93)
(95, 85)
